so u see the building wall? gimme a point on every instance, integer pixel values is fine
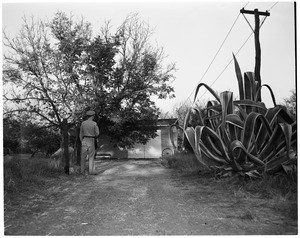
(151, 150)
(159, 146)
(107, 147)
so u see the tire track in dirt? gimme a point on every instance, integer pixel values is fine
(141, 197)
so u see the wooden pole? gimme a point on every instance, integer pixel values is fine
(257, 53)
(66, 146)
(256, 14)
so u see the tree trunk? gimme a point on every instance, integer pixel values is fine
(66, 145)
(77, 149)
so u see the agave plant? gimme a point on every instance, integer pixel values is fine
(241, 135)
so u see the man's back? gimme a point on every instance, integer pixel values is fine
(89, 128)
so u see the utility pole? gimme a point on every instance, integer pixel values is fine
(256, 14)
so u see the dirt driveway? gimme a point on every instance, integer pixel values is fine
(141, 197)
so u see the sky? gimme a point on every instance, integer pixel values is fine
(191, 33)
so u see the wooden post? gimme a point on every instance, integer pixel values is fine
(78, 146)
(257, 53)
(256, 14)
(66, 146)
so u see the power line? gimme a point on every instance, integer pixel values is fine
(217, 51)
(273, 6)
(228, 63)
(238, 50)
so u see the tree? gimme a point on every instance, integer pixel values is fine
(11, 135)
(21, 135)
(44, 69)
(39, 139)
(180, 110)
(57, 71)
(125, 105)
(291, 103)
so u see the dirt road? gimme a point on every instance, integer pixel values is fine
(141, 197)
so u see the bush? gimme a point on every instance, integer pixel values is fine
(277, 184)
(21, 174)
(184, 162)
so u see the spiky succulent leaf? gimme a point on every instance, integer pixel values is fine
(209, 89)
(239, 78)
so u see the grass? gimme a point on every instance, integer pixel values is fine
(26, 175)
(278, 190)
(184, 162)
(28, 186)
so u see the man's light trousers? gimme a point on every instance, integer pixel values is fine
(88, 149)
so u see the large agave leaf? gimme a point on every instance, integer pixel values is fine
(198, 132)
(212, 142)
(227, 106)
(235, 126)
(239, 78)
(250, 103)
(287, 131)
(294, 134)
(185, 141)
(235, 120)
(214, 105)
(270, 90)
(191, 137)
(276, 162)
(249, 137)
(249, 88)
(241, 112)
(281, 134)
(278, 114)
(187, 118)
(209, 89)
(199, 117)
(283, 139)
(237, 146)
(226, 99)
(290, 166)
(250, 125)
(214, 113)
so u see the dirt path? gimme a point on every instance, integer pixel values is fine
(144, 198)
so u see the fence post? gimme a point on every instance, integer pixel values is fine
(66, 146)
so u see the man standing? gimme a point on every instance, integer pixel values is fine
(88, 133)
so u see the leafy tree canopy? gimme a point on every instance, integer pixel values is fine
(291, 103)
(24, 136)
(58, 70)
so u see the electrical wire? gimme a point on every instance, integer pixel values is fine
(237, 51)
(216, 53)
(273, 6)
(227, 64)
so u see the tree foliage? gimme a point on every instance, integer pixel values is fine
(125, 104)
(40, 66)
(22, 136)
(58, 70)
(291, 103)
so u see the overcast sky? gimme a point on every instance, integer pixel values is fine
(191, 33)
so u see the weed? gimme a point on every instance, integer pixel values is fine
(184, 162)
(247, 216)
(20, 174)
(279, 190)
